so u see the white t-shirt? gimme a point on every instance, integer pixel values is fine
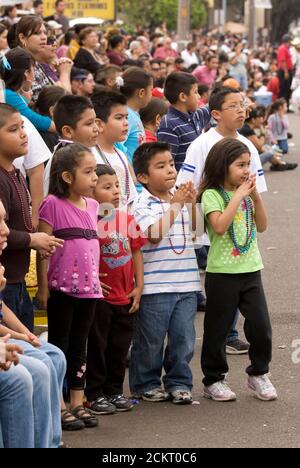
(189, 59)
(38, 151)
(119, 162)
(193, 166)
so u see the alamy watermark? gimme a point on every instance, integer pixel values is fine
(296, 352)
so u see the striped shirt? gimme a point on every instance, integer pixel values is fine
(180, 129)
(164, 270)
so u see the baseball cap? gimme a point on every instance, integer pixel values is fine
(158, 93)
(54, 24)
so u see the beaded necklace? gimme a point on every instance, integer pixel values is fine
(28, 227)
(250, 224)
(183, 232)
(127, 176)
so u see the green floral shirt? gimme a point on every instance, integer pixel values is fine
(223, 257)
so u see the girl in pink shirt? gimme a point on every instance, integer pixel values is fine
(207, 74)
(72, 280)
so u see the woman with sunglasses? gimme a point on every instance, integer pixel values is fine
(31, 34)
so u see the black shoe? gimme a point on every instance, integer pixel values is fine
(85, 416)
(100, 406)
(283, 167)
(121, 403)
(69, 422)
(291, 166)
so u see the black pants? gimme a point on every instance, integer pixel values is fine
(69, 322)
(225, 294)
(285, 85)
(109, 340)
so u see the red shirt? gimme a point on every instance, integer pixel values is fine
(150, 137)
(119, 236)
(284, 55)
(273, 87)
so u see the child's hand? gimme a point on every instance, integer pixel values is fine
(11, 354)
(254, 194)
(44, 243)
(191, 193)
(32, 339)
(245, 189)
(180, 195)
(185, 194)
(105, 288)
(136, 297)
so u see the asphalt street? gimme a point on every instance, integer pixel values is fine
(247, 422)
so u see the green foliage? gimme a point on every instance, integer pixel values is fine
(151, 12)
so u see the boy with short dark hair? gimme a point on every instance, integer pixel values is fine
(75, 121)
(171, 280)
(184, 121)
(16, 201)
(112, 119)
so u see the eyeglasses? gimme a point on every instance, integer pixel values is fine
(236, 107)
(155, 69)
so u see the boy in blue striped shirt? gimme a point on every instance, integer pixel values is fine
(184, 121)
(171, 279)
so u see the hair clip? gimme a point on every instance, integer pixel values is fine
(119, 82)
(5, 63)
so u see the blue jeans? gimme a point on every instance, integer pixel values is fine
(163, 315)
(284, 146)
(234, 334)
(25, 405)
(17, 299)
(55, 362)
(1, 439)
(242, 78)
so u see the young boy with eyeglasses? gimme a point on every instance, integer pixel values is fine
(229, 111)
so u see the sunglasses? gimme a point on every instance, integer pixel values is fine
(51, 40)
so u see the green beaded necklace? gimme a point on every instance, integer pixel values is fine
(250, 224)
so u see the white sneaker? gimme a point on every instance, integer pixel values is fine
(155, 395)
(262, 387)
(181, 397)
(219, 391)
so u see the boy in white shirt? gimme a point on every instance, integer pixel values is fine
(112, 119)
(228, 109)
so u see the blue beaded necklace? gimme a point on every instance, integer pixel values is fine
(250, 224)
